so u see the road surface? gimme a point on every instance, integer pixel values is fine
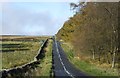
(62, 66)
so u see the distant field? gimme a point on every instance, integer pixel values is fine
(18, 50)
(21, 38)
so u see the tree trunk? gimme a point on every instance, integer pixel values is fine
(93, 55)
(99, 56)
(113, 60)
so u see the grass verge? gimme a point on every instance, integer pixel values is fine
(87, 67)
(44, 68)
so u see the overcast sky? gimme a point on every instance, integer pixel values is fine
(33, 18)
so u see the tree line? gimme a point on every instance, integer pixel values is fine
(94, 31)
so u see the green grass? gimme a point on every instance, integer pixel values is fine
(44, 68)
(87, 67)
(46, 63)
(22, 54)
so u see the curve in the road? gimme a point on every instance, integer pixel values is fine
(62, 66)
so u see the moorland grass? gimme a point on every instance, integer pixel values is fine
(19, 55)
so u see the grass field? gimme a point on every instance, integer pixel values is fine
(18, 50)
(86, 66)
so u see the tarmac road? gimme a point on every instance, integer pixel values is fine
(62, 66)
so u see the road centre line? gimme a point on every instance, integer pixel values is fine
(62, 61)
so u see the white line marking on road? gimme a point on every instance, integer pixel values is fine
(62, 61)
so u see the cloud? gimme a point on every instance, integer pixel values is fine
(59, 0)
(38, 0)
(23, 21)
